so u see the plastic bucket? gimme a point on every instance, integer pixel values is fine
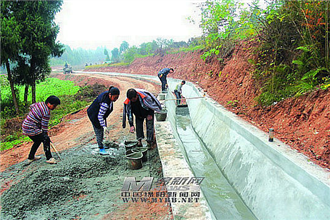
(134, 160)
(130, 144)
(161, 116)
(144, 151)
(129, 151)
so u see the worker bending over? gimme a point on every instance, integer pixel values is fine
(178, 91)
(142, 104)
(35, 126)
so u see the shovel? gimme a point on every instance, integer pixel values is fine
(52, 145)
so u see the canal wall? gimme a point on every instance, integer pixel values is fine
(273, 180)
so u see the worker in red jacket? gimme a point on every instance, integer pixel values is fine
(142, 104)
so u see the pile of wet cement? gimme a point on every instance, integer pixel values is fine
(81, 185)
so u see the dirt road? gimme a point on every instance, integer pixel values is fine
(82, 185)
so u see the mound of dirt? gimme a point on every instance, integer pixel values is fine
(80, 186)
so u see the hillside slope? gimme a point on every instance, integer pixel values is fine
(301, 122)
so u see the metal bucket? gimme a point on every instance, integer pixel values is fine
(161, 116)
(134, 160)
(144, 151)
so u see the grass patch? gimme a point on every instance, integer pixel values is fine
(185, 49)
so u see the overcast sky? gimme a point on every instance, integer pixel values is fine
(92, 23)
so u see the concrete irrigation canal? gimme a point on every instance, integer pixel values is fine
(246, 176)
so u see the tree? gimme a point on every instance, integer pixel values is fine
(162, 43)
(123, 47)
(10, 43)
(144, 48)
(115, 55)
(130, 54)
(106, 53)
(38, 36)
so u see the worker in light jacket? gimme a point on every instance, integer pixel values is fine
(35, 126)
(142, 104)
(98, 112)
(162, 75)
(178, 91)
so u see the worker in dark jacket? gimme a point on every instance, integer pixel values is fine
(35, 126)
(142, 104)
(162, 75)
(98, 112)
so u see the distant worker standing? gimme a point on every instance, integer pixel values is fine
(35, 126)
(142, 104)
(178, 92)
(98, 112)
(162, 75)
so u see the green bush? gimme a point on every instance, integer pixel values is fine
(293, 57)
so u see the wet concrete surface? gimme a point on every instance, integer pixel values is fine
(80, 186)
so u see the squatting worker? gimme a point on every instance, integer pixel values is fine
(178, 91)
(142, 104)
(98, 112)
(35, 126)
(162, 75)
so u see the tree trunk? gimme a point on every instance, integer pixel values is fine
(34, 91)
(26, 93)
(12, 87)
